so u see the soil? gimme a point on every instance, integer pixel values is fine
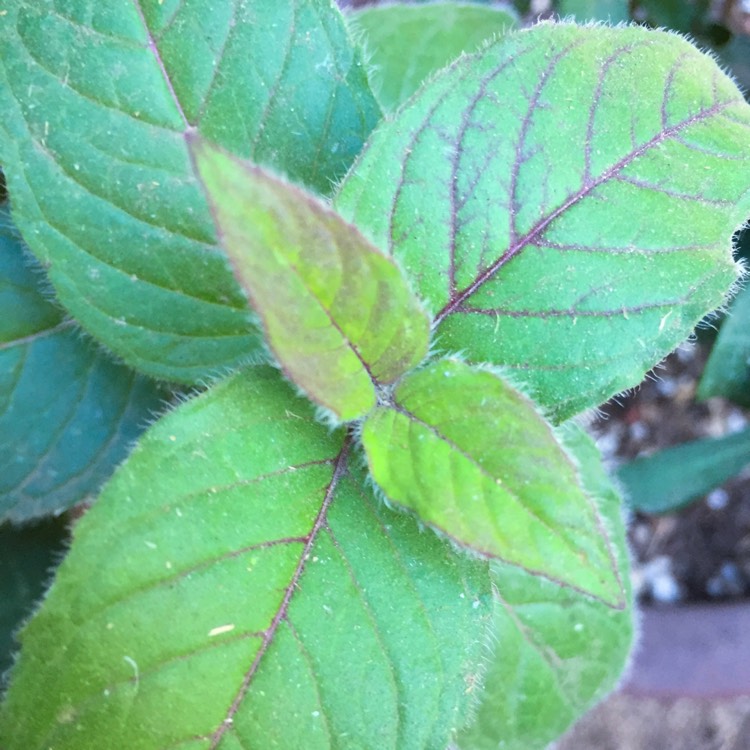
(703, 551)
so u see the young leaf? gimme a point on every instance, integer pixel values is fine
(473, 459)
(673, 477)
(337, 313)
(407, 43)
(68, 414)
(727, 371)
(96, 101)
(557, 652)
(237, 585)
(564, 201)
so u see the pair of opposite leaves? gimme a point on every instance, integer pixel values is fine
(619, 247)
(454, 443)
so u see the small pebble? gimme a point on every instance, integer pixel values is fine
(736, 421)
(727, 582)
(717, 499)
(638, 431)
(666, 388)
(660, 581)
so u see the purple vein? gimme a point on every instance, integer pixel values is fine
(593, 110)
(540, 227)
(525, 125)
(318, 524)
(157, 56)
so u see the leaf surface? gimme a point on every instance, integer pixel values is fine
(68, 414)
(408, 43)
(673, 477)
(473, 459)
(337, 313)
(727, 371)
(563, 201)
(238, 585)
(96, 101)
(557, 652)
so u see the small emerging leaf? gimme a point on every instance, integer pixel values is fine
(473, 458)
(564, 202)
(338, 314)
(408, 43)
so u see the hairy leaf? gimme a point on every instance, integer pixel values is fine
(337, 313)
(564, 200)
(28, 556)
(473, 458)
(68, 414)
(408, 43)
(238, 585)
(673, 477)
(556, 651)
(97, 99)
(727, 371)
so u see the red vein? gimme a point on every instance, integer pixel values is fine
(319, 523)
(541, 226)
(160, 62)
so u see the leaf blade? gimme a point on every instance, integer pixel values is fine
(434, 34)
(95, 156)
(203, 468)
(68, 414)
(338, 314)
(474, 460)
(540, 265)
(558, 652)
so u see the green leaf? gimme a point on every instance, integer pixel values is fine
(28, 556)
(557, 652)
(408, 43)
(337, 313)
(727, 371)
(238, 585)
(68, 414)
(97, 99)
(473, 459)
(673, 477)
(613, 11)
(563, 200)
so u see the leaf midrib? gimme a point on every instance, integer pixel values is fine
(339, 470)
(541, 226)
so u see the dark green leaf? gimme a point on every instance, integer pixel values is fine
(564, 201)
(238, 585)
(97, 99)
(727, 371)
(337, 313)
(673, 477)
(27, 559)
(68, 414)
(408, 43)
(556, 651)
